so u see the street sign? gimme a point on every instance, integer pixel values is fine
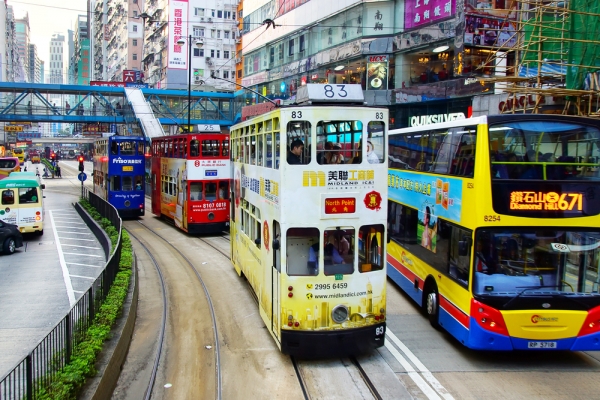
(13, 128)
(82, 176)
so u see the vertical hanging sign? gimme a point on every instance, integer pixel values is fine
(178, 27)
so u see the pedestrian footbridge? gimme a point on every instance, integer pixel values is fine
(141, 111)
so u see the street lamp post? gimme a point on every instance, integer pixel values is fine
(199, 44)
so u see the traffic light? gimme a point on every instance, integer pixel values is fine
(80, 159)
(53, 156)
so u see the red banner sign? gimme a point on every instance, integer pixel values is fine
(345, 205)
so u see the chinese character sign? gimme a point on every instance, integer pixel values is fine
(178, 17)
(424, 12)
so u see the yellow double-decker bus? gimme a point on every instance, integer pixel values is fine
(20, 154)
(494, 227)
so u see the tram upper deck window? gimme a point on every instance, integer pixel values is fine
(114, 148)
(127, 148)
(194, 148)
(298, 142)
(375, 142)
(338, 142)
(210, 148)
(225, 148)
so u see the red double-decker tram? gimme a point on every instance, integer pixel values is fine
(190, 181)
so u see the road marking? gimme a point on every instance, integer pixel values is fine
(87, 255)
(73, 219)
(63, 265)
(73, 223)
(82, 247)
(421, 367)
(85, 240)
(414, 375)
(72, 227)
(86, 265)
(82, 277)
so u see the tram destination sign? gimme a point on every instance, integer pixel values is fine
(330, 93)
(342, 205)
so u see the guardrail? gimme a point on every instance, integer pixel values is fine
(39, 368)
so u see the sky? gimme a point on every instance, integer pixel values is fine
(48, 17)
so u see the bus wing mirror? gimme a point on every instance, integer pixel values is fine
(464, 246)
(257, 241)
(276, 244)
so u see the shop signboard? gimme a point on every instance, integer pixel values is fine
(418, 13)
(377, 72)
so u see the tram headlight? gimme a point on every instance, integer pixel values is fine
(211, 216)
(339, 313)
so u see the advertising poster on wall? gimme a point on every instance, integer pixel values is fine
(178, 22)
(496, 8)
(490, 32)
(377, 72)
(419, 13)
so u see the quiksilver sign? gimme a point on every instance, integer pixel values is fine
(420, 120)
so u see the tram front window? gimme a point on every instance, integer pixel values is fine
(196, 191)
(210, 191)
(338, 251)
(338, 142)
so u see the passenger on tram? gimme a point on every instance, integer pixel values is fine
(372, 158)
(138, 185)
(296, 149)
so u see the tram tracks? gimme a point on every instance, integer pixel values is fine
(186, 331)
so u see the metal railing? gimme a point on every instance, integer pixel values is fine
(38, 370)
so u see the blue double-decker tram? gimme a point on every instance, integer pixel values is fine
(119, 169)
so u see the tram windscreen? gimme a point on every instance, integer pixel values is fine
(338, 142)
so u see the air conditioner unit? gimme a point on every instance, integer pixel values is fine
(238, 60)
(197, 79)
(202, 19)
(207, 58)
(209, 19)
(238, 41)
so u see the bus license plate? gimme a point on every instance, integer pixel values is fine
(541, 345)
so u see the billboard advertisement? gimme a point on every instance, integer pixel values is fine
(178, 22)
(419, 13)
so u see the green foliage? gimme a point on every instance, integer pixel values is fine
(69, 381)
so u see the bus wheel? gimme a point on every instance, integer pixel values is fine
(432, 306)
(9, 245)
(39, 233)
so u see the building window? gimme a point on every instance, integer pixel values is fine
(135, 14)
(212, 13)
(218, 53)
(301, 45)
(218, 34)
(226, 54)
(220, 14)
(225, 74)
(226, 34)
(212, 53)
(134, 56)
(198, 31)
(291, 48)
(227, 14)
(134, 42)
(233, 15)
(198, 52)
(135, 28)
(134, 1)
(199, 12)
(213, 33)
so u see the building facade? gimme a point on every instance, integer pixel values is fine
(57, 73)
(79, 62)
(22, 40)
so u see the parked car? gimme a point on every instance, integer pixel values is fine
(10, 237)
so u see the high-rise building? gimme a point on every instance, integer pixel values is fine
(35, 65)
(22, 40)
(79, 63)
(57, 64)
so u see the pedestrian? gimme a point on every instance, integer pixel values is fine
(94, 108)
(29, 108)
(80, 109)
(58, 171)
(67, 107)
(118, 107)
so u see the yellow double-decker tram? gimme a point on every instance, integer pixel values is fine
(308, 219)
(494, 226)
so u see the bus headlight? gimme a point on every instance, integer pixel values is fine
(339, 313)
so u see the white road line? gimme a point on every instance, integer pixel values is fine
(78, 291)
(78, 233)
(414, 375)
(82, 277)
(73, 223)
(71, 219)
(73, 227)
(85, 240)
(420, 366)
(86, 265)
(82, 247)
(63, 265)
(88, 255)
